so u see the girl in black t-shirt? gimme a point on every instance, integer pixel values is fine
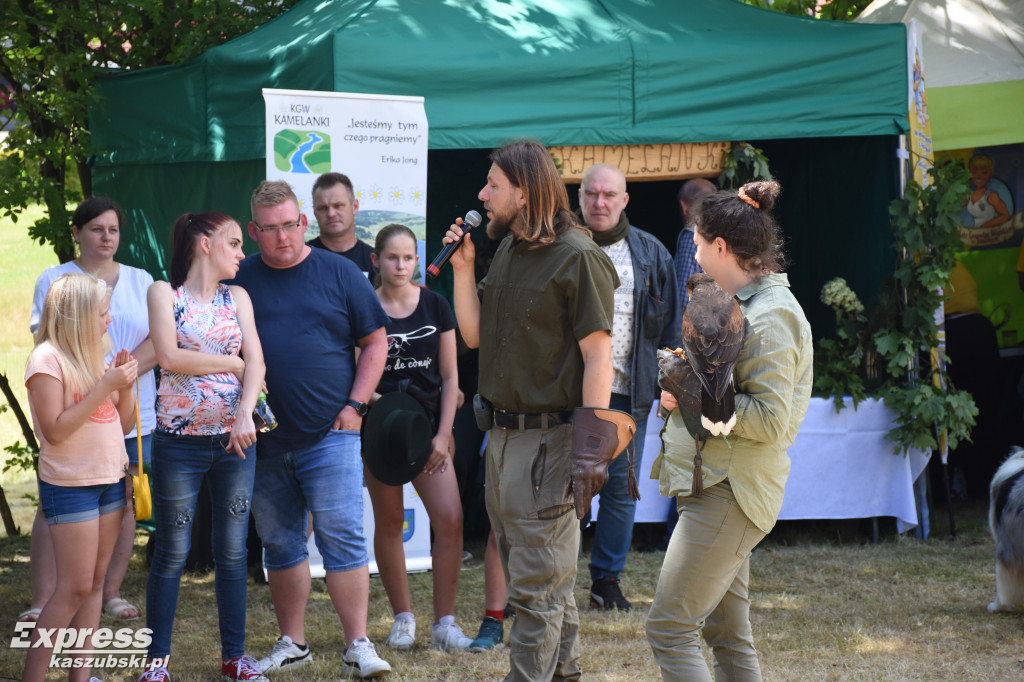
(422, 362)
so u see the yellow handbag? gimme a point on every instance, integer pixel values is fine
(143, 495)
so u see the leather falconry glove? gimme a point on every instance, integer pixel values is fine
(599, 435)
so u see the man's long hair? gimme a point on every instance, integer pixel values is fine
(529, 166)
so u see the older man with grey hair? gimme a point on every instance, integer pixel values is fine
(646, 317)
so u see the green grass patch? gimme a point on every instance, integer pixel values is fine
(21, 262)
(901, 610)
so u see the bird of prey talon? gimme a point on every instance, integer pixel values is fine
(713, 332)
(677, 377)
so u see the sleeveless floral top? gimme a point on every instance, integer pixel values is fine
(204, 405)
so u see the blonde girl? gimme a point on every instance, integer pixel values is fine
(96, 229)
(984, 205)
(424, 365)
(81, 411)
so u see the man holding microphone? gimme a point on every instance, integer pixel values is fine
(543, 325)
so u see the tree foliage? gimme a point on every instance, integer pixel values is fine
(904, 335)
(743, 163)
(839, 361)
(926, 225)
(53, 52)
(841, 10)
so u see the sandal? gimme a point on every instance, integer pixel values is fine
(30, 616)
(116, 608)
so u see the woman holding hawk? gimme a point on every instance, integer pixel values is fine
(703, 587)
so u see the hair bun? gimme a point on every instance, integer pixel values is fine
(764, 192)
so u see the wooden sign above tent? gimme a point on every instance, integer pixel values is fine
(665, 161)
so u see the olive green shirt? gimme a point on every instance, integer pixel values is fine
(773, 378)
(538, 303)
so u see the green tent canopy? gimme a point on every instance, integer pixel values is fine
(568, 72)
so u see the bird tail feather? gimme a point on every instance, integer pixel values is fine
(718, 416)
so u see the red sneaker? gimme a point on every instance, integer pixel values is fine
(242, 668)
(157, 674)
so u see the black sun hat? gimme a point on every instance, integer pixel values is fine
(396, 438)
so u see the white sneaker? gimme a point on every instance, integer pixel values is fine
(448, 636)
(403, 632)
(286, 655)
(362, 660)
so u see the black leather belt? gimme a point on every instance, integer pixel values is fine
(522, 422)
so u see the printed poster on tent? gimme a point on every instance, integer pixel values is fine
(991, 267)
(378, 141)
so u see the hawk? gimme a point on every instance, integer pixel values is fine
(713, 333)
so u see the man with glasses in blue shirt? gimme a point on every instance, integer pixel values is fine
(312, 311)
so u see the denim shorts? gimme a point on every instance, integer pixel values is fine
(71, 504)
(325, 479)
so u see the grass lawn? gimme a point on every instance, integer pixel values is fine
(21, 262)
(903, 609)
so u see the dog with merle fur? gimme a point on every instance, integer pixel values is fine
(1006, 521)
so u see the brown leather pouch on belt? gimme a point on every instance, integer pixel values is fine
(599, 435)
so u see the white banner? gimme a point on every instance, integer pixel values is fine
(378, 141)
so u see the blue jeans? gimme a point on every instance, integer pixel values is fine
(325, 478)
(179, 465)
(613, 533)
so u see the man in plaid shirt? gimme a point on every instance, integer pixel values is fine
(691, 193)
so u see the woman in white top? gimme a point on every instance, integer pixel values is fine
(96, 228)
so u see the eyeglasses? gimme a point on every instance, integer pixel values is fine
(287, 227)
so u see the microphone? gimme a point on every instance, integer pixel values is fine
(471, 220)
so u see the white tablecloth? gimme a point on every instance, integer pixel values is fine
(842, 468)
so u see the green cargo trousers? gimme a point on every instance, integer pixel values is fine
(528, 471)
(703, 590)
